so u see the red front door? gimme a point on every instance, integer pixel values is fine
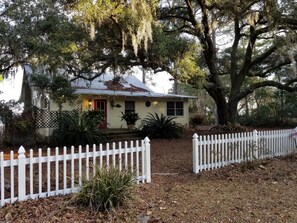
(100, 105)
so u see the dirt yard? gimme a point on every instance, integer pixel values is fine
(261, 192)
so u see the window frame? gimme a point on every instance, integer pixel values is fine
(175, 108)
(131, 107)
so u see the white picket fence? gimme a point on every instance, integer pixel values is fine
(60, 172)
(215, 151)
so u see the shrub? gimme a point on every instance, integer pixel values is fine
(228, 128)
(20, 130)
(130, 117)
(196, 120)
(75, 129)
(108, 189)
(155, 126)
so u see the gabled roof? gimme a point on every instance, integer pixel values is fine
(126, 85)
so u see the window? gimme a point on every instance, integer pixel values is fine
(175, 108)
(129, 106)
(148, 104)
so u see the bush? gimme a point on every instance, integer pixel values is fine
(155, 126)
(20, 130)
(196, 120)
(130, 117)
(228, 128)
(76, 129)
(108, 189)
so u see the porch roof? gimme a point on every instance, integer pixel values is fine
(148, 94)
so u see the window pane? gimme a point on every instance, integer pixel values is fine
(170, 112)
(179, 112)
(129, 106)
(170, 108)
(170, 104)
(179, 109)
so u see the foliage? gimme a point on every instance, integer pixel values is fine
(196, 119)
(61, 90)
(229, 127)
(133, 19)
(6, 111)
(271, 108)
(20, 130)
(78, 129)
(108, 189)
(130, 117)
(33, 32)
(155, 126)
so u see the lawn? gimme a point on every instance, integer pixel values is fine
(264, 191)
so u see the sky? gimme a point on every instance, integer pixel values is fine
(158, 82)
(11, 86)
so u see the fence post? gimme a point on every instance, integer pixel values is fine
(195, 153)
(147, 159)
(255, 151)
(22, 174)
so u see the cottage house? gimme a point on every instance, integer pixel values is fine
(112, 95)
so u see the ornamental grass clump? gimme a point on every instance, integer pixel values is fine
(108, 189)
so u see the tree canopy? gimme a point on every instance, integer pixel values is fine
(243, 44)
(231, 47)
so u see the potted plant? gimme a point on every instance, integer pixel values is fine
(130, 118)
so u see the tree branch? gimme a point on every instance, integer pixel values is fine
(268, 83)
(262, 57)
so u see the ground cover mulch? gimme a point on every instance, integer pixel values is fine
(263, 191)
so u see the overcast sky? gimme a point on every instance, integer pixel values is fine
(11, 87)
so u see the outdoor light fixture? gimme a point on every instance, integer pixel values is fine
(155, 103)
(90, 103)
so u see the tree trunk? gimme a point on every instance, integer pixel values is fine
(226, 111)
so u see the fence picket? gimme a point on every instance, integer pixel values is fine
(39, 172)
(137, 161)
(12, 176)
(120, 156)
(30, 174)
(100, 156)
(57, 169)
(48, 171)
(87, 161)
(195, 153)
(223, 159)
(131, 156)
(2, 178)
(72, 167)
(147, 159)
(126, 154)
(94, 158)
(107, 155)
(79, 166)
(22, 174)
(215, 155)
(64, 169)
